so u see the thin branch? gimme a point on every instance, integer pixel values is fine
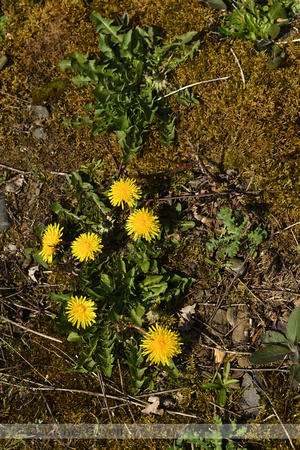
(4, 166)
(169, 391)
(239, 66)
(94, 394)
(53, 418)
(146, 395)
(287, 228)
(65, 354)
(41, 387)
(13, 169)
(30, 331)
(191, 85)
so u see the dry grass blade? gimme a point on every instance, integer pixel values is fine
(4, 166)
(30, 331)
(53, 418)
(239, 65)
(191, 85)
(24, 359)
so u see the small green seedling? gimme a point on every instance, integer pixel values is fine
(281, 344)
(236, 233)
(254, 20)
(214, 442)
(221, 383)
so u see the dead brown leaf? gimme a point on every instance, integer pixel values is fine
(186, 322)
(153, 408)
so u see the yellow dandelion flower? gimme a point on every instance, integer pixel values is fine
(161, 345)
(124, 191)
(85, 246)
(81, 311)
(142, 223)
(50, 240)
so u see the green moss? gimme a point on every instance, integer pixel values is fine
(49, 91)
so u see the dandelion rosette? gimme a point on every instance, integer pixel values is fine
(50, 240)
(142, 223)
(80, 312)
(85, 246)
(161, 345)
(124, 191)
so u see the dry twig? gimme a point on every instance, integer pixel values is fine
(30, 331)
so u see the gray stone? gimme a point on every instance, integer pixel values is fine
(39, 133)
(250, 395)
(40, 112)
(4, 219)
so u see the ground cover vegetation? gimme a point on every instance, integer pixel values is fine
(149, 260)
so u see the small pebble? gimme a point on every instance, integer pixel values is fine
(40, 112)
(39, 133)
(4, 219)
(12, 248)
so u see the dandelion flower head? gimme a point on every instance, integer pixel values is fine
(80, 312)
(142, 223)
(50, 240)
(161, 345)
(85, 246)
(124, 191)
